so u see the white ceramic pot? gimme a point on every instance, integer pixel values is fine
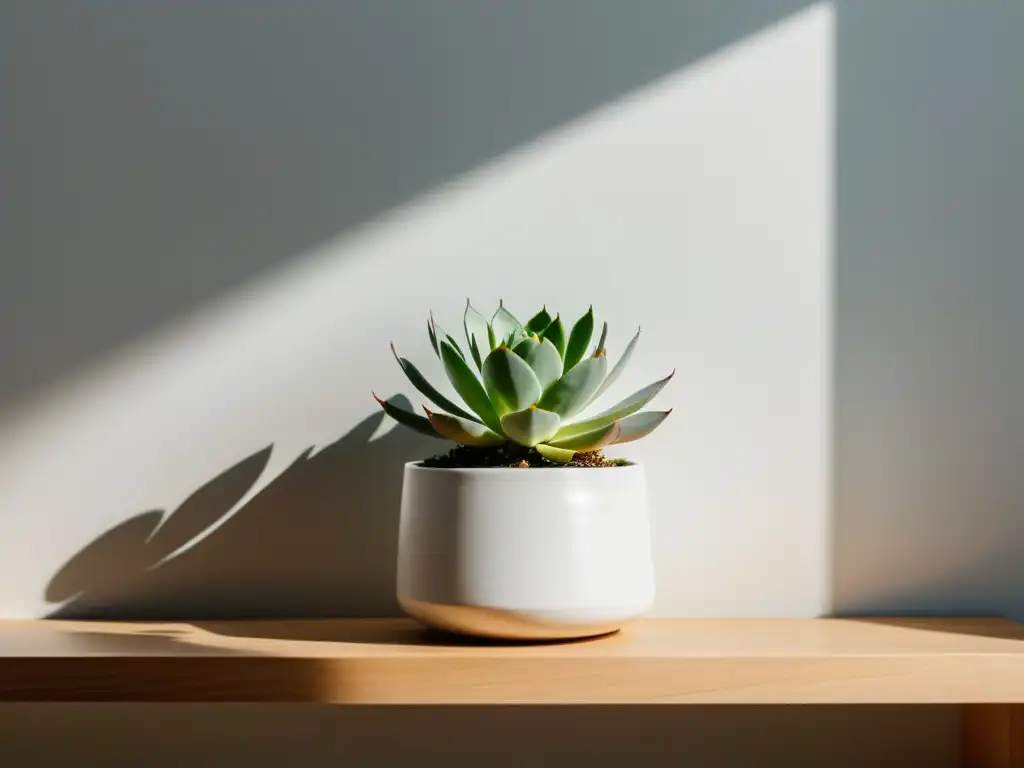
(530, 554)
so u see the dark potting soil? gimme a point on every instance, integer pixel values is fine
(514, 456)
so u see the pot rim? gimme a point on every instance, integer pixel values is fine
(418, 466)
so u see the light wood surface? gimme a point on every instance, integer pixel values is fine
(792, 661)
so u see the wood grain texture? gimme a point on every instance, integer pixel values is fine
(791, 661)
(992, 736)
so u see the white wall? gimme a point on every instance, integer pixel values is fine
(692, 199)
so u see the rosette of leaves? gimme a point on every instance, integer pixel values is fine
(528, 384)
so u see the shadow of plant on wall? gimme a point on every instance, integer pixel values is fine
(319, 540)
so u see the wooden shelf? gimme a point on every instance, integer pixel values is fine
(377, 661)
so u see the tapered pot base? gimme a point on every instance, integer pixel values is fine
(502, 624)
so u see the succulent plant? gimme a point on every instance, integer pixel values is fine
(525, 384)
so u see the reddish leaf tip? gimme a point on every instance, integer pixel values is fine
(379, 401)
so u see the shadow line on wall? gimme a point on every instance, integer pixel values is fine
(217, 168)
(318, 540)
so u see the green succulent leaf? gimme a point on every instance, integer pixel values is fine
(441, 335)
(407, 418)
(570, 394)
(492, 340)
(474, 350)
(618, 368)
(538, 322)
(468, 386)
(426, 388)
(555, 333)
(433, 336)
(620, 410)
(530, 426)
(510, 382)
(543, 358)
(462, 431)
(451, 340)
(517, 337)
(557, 455)
(579, 340)
(476, 327)
(589, 441)
(604, 335)
(505, 323)
(640, 425)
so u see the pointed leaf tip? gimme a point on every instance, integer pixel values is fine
(506, 326)
(618, 368)
(620, 410)
(427, 389)
(579, 340)
(600, 344)
(639, 425)
(408, 418)
(555, 333)
(477, 328)
(432, 335)
(538, 322)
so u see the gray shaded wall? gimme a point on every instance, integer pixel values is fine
(929, 367)
(157, 154)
